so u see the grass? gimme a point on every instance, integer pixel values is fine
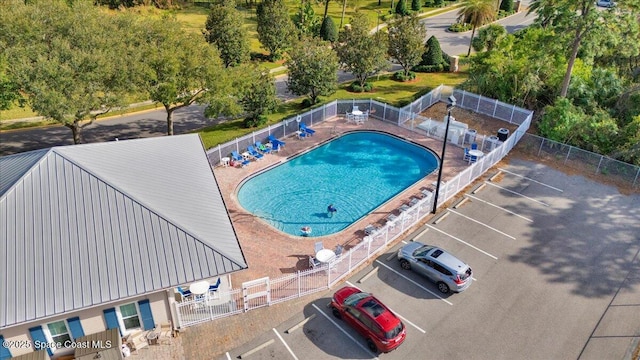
(384, 89)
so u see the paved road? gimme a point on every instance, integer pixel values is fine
(458, 43)
(191, 118)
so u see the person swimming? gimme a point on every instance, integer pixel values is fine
(331, 210)
(306, 230)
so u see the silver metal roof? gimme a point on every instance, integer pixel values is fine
(87, 224)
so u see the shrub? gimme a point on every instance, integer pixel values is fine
(428, 3)
(328, 30)
(507, 6)
(460, 27)
(399, 76)
(429, 68)
(438, 3)
(416, 5)
(401, 8)
(355, 87)
(306, 103)
(252, 122)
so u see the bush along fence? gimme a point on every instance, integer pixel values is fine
(266, 291)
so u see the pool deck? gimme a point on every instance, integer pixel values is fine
(273, 253)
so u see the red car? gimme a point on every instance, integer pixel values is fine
(382, 328)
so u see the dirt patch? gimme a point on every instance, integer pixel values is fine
(483, 124)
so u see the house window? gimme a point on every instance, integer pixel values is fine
(58, 333)
(129, 315)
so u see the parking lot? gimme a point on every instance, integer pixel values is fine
(556, 276)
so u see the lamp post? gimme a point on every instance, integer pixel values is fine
(450, 106)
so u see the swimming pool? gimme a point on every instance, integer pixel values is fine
(356, 172)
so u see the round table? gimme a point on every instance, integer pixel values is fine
(225, 161)
(199, 287)
(357, 112)
(476, 153)
(325, 256)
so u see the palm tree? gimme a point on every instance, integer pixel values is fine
(477, 13)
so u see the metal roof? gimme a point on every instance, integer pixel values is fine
(86, 224)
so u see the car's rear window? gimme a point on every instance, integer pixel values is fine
(395, 332)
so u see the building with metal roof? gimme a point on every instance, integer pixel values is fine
(87, 225)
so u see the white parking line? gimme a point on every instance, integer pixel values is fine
(415, 283)
(285, 344)
(228, 356)
(395, 312)
(499, 207)
(343, 331)
(532, 180)
(464, 242)
(481, 223)
(517, 193)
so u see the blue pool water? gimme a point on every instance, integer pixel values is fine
(356, 172)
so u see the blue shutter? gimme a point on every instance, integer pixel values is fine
(4, 352)
(145, 313)
(75, 327)
(111, 319)
(37, 335)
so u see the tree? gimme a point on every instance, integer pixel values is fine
(401, 8)
(275, 28)
(256, 92)
(476, 13)
(488, 37)
(306, 20)
(8, 90)
(181, 68)
(328, 31)
(360, 52)
(522, 69)
(313, 67)
(507, 6)
(433, 52)
(416, 5)
(224, 29)
(405, 45)
(576, 17)
(70, 62)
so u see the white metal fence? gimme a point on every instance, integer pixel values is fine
(265, 291)
(581, 160)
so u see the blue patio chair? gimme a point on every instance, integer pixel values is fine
(253, 152)
(276, 142)
(474, 146)
(184, 293)
(466, 157)
(304, 128)
(215, 286)
(262, 147)
(238, 158)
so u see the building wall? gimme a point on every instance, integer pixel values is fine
(92, 321)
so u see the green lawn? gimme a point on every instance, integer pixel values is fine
(385, 90)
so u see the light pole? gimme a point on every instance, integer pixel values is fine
(450, 106)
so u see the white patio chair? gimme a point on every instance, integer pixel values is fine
(355, 108)
(318, 246)
(370, 229)
(313, 262)
(350, 117)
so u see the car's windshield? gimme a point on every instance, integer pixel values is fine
(354, 299)
(422, 251)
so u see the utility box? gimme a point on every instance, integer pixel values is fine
(470, 136)
(503, 134)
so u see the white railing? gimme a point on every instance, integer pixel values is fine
(266, 291)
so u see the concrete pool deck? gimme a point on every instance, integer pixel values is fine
(272, 253)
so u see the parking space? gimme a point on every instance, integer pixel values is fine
(556, 275)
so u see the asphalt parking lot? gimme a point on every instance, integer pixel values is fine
(556, 273)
